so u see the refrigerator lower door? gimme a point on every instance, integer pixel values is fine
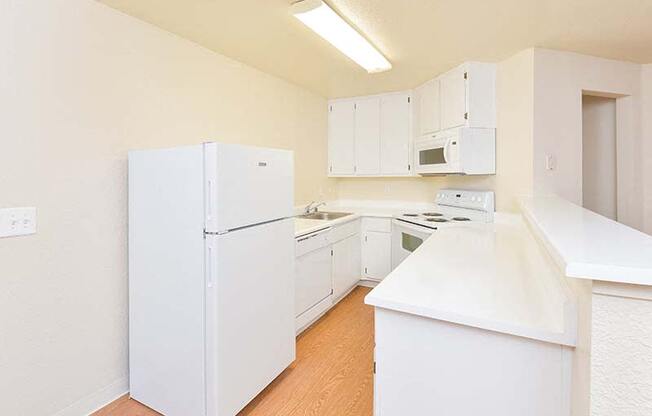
(247, 185)
(250, 308)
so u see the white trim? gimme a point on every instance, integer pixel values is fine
(622, 290)
(368, 283)
(97, 400)
(312, 315)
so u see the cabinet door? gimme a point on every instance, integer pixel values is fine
(346, 265)
(429, 107)
(341, 138)
(376, 254)
(453, 98)
(395, 134)
(367, 136)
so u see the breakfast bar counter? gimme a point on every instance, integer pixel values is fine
(492, 276)
(477, 320)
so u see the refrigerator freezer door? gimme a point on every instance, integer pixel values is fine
(247, 185)
(250, 304)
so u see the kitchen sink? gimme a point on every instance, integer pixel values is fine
(324, 215)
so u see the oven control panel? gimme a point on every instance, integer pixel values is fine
(477, 200)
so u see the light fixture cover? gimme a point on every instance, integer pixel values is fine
(319, 17)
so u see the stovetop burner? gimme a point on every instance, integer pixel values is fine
(410, 215)
(461, 219)
(437, 219)
(432, 214)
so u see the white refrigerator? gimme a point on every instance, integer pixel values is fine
(211, 275)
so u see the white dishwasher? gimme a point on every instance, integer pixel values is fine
(313, 287)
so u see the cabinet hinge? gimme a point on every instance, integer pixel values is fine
(331, 169)
(466, 116)
(374, 367)
(409, 167)
(466, 75)
(330, 108)
(408, 100)
(355, 106)
(365, 240)
(331, 252)
(355, 169)
(365, 270)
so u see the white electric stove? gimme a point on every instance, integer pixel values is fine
(453, 208)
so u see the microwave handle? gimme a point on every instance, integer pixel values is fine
(446, 148)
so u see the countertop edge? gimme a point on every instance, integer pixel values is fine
(565, 339)
(579, 269)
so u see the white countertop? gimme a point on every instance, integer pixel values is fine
(363, 208)
(587, 245)
(490, 276)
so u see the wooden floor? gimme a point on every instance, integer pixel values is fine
(332, 375)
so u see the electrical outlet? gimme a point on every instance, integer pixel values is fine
(17, 221)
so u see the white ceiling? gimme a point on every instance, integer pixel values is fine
(420, 37)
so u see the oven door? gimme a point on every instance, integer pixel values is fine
(436, 154)
(406, 238)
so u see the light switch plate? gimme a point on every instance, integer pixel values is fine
(17, 221)
(551, 163)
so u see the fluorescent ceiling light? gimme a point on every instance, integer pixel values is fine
(329, 25)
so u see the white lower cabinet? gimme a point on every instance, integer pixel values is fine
(427, 366)
(376, 248)
(346, 265)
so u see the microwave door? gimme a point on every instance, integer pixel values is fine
(434, 158)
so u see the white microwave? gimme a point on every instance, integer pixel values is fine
(462, 150)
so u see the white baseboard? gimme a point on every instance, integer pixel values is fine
(97, 400)
(368, 283)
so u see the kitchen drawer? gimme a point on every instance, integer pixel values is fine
(383, 225)
(310, 242)
(340, 232)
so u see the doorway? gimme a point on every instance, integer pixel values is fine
(599, 156)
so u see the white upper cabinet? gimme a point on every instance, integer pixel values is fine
(341, 136)
(367, 136)
(373, 135)
(468, 96)
(370, 136)
(453, 98)
(395, 133)
(429, 107)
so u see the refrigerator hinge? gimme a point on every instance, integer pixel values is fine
(214, 232)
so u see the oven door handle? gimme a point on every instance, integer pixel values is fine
(412, 227)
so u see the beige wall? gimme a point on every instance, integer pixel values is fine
(560, 78)
(514, 89)
(646, 116)
(80, 84)
(599, 155)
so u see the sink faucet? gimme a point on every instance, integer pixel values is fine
(309, 209)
